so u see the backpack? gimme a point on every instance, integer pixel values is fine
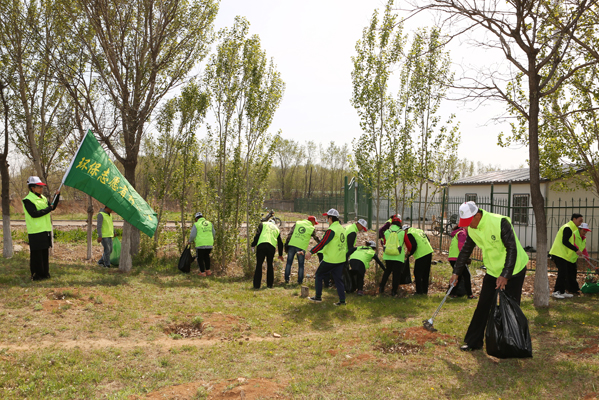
(392, 243)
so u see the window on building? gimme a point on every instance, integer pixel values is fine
(471, 197)
(520, 209)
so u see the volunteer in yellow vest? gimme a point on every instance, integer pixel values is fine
(105, 229)
(393, 254)
(334, 244)
(504, 258)
(359, 262)
(581, 241)
(464, 284)
(351, 233)
(297, 242)
(202, 236)
(422, 251)
(562, 251)
(39, 227)
(266, 241)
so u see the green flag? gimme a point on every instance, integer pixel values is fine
(92, 172)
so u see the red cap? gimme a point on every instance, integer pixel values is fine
(312, 218)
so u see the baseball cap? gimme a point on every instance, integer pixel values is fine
(406, 226)
(396, 218)
(35, 180)
(467, 212)
(313, 219)
(371, 244)
(199, 215)
(584, 226)
(331, 213)
(363, 223)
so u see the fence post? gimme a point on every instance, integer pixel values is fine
(509, 200)
(345, 198)
(492, 189)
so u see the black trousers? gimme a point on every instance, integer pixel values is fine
(422, 270)
(264, 250)
(566, 276)
(395, 268)
(359, 270)
(464, 281)
(203, 258)
(323, 270)
(39, 264)
(476, 331)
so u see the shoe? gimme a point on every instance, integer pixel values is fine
(471, 297)
(201, 273)
(558, 295)
(468, 348)
(208, 272)
(567, 295)
(341, 303)
(315, 299)
(360, 293)
(286, 282)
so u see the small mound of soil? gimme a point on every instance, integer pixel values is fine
(186, 330)
(412, 340)
(359, 359)
(240, 388)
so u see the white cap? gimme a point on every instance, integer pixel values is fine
(199, 215)
(331, 213)
(406, 226)
(35, 180)
(584, 226)
(467, 211)
(363, 223)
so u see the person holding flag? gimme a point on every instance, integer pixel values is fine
(37, 209)
(105, 229)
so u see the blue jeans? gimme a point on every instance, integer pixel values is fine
(105, 259)
(337, 271)
(291, 252)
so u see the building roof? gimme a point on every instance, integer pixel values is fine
(521, 175)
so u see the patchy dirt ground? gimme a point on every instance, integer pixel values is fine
(240, 388)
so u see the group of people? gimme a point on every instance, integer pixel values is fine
(503, 255)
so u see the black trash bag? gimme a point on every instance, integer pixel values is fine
(185, 260)
(507, 334)
(348, 282)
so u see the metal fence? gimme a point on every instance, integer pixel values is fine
(441, 212)
(316, 205)
(280, 205)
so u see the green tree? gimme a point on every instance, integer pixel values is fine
(245, 91)
(537, 38)
(377, 53)
(134, 53)
(7, 250)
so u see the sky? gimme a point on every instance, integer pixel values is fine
(312, 43)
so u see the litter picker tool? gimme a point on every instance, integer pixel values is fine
(428, 323)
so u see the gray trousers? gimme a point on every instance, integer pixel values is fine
(105, 259)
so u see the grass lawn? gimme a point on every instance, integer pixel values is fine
(93, 333)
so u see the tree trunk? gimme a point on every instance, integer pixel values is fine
(7, 251)
(90, 216)
(541, 296)
(125, 263)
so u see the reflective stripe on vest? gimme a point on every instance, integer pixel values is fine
(204, 236)
(423, 246)
(400, 236)
(558, 249)
(336, 250)
(269, 234)
(487, 237)
(40, 224)
(301, 234)
(364, 254)
(107, 226)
